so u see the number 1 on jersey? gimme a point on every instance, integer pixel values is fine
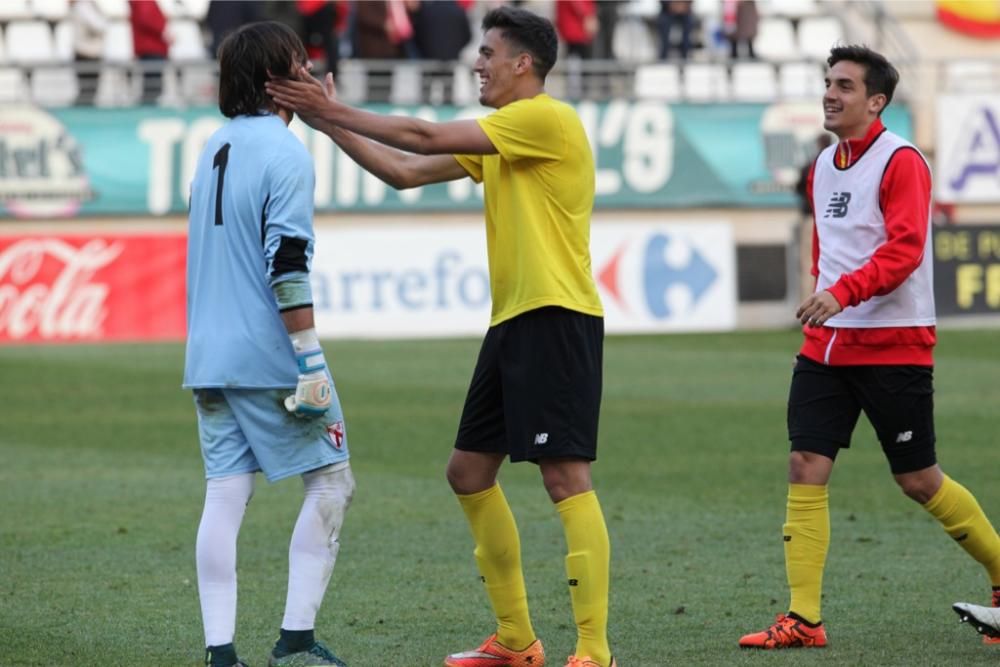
(220, 160)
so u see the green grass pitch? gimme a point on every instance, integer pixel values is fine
(101, 490)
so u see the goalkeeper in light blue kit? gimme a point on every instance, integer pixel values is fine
(264, 396)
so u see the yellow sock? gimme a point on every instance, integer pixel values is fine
(962, 518)
(498, 555)
(587, 563)
(807, 539)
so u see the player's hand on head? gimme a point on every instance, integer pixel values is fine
(303, 93)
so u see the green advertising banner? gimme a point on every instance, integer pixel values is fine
(139, 161)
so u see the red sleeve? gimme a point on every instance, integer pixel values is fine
(815, 237)
(905, 196)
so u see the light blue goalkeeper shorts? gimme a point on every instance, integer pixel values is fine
(249, 430)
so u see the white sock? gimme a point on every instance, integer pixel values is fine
(314, 546)
(215, 554)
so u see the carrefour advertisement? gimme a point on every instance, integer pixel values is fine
(65, 163)
(392, 281)
(370, 281)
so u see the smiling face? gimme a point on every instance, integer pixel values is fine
(847, 108)
(499, 67)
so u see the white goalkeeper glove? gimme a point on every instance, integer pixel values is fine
(313, 393)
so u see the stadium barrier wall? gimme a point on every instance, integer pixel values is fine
(79, 162)
(375, 281)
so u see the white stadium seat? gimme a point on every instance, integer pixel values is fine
(405, 85)
(54, 86)
(29, 42)
(705, 82)
(114, 10)
(13, 87)
(188, 42)
(464, 86)
(775, 40)
(50, 10)
(791, 8)
(658, 81)
(818, 34)
(63, 41)
(15, 10)
(798, 81)
(754, 82)
(118, 43)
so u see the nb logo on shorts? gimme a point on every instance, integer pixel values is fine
(837, 207)
(541, 438)
(905, 436)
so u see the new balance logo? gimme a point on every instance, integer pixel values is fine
(837, 208)
(541, 438)
(905, 436)
(573, 582)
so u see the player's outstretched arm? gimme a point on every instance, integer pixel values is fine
(318, 105)
(396, 168)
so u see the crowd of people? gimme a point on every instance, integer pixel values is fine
(438, 30)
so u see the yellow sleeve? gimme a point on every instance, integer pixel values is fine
(526, 129)
(472, 164)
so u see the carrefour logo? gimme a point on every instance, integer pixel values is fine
(667, 277)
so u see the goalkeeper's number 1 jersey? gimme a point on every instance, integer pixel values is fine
(251, 200)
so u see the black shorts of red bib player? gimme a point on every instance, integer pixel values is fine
(869, 333)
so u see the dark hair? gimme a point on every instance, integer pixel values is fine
(529, 32)
(246, 56)
(880, 76)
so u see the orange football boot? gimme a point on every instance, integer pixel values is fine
(787, 632)
(492, 653)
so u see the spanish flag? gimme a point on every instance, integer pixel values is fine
(979, 18)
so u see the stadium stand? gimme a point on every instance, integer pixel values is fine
(658, 81)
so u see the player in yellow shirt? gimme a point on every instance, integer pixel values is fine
(536, 391)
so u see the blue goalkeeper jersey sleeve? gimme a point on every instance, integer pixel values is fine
(250, 227)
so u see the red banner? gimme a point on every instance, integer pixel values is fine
(91, 288)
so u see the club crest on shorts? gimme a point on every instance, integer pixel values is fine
(336, 432)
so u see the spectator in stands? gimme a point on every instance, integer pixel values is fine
(89, 26)
(319, 30)
(151, 44)
(740, 18)
(675, 13)
(576, 23)
(607, 17)
(224, 16)
(440, 29)
(381, 30)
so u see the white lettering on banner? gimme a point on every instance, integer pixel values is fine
(197, 136)
(446, 284)
(162, 134)
(643, 132)
(70, 306)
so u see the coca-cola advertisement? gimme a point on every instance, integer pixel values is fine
(90, 288)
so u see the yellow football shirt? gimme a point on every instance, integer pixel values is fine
(539, 193)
